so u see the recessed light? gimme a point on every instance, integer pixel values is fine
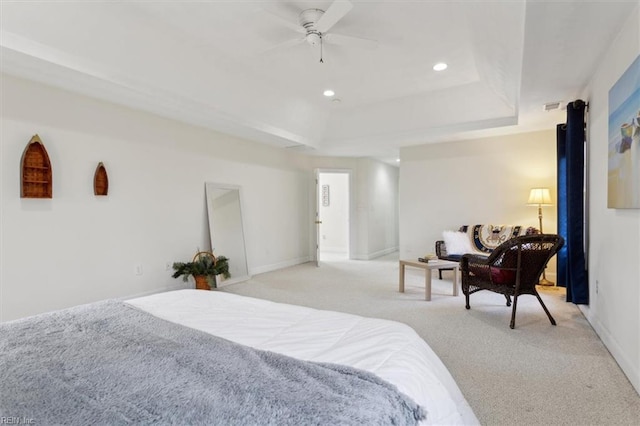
(398, 160)
(440, 66)
(328, 93)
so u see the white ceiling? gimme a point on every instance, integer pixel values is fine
(217, 64)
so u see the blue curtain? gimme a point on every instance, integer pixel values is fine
(561, 134)
(572, 265)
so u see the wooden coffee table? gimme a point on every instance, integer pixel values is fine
(428, 266)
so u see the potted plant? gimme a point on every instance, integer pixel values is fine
(205, 267)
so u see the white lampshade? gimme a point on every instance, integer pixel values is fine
(539, 197)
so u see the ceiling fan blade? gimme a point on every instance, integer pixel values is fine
(292, 25)
(284, 45)
(341, 39)
(336, 12)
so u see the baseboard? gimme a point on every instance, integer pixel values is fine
(177, 286)
(374, 255)
(336, 250)
(233, 280)
(279, 265)
(628, 367)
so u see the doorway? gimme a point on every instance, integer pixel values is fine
(333, 215)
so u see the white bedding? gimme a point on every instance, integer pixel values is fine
(389, 349)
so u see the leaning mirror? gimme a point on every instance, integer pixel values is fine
(225, 228)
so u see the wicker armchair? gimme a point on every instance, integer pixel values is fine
(512, 269)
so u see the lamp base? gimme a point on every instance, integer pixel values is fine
(545, 282)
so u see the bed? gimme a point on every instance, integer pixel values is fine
(380, 349)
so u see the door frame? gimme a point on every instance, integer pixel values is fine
(316, 227)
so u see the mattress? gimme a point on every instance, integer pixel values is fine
(391, 350)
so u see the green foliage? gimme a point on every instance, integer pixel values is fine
(203, 265)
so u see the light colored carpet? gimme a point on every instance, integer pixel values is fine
(537, 374)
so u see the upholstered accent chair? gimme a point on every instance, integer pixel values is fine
(512, 269)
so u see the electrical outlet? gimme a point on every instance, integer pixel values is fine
(137, 269)
(597, 282)
(168, 266)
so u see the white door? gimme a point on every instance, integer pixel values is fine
(318, 222)
(333, 213)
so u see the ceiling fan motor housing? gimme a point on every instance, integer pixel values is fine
(308, 19)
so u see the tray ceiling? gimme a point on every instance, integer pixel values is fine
(223, 65)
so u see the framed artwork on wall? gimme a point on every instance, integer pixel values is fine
(623, 187)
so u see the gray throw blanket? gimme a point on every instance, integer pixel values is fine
(109, 363)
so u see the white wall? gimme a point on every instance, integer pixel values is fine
(482, 181)
(78, 248)
(614, 270)
(379, 184)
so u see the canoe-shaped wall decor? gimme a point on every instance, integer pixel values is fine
(36, 180)
(100, 180)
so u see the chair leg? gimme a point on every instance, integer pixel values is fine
(440, 274)
(553, 322)
(513, 312)
(508, 299)
(466, 296)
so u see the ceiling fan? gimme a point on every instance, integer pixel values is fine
(315, 24)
